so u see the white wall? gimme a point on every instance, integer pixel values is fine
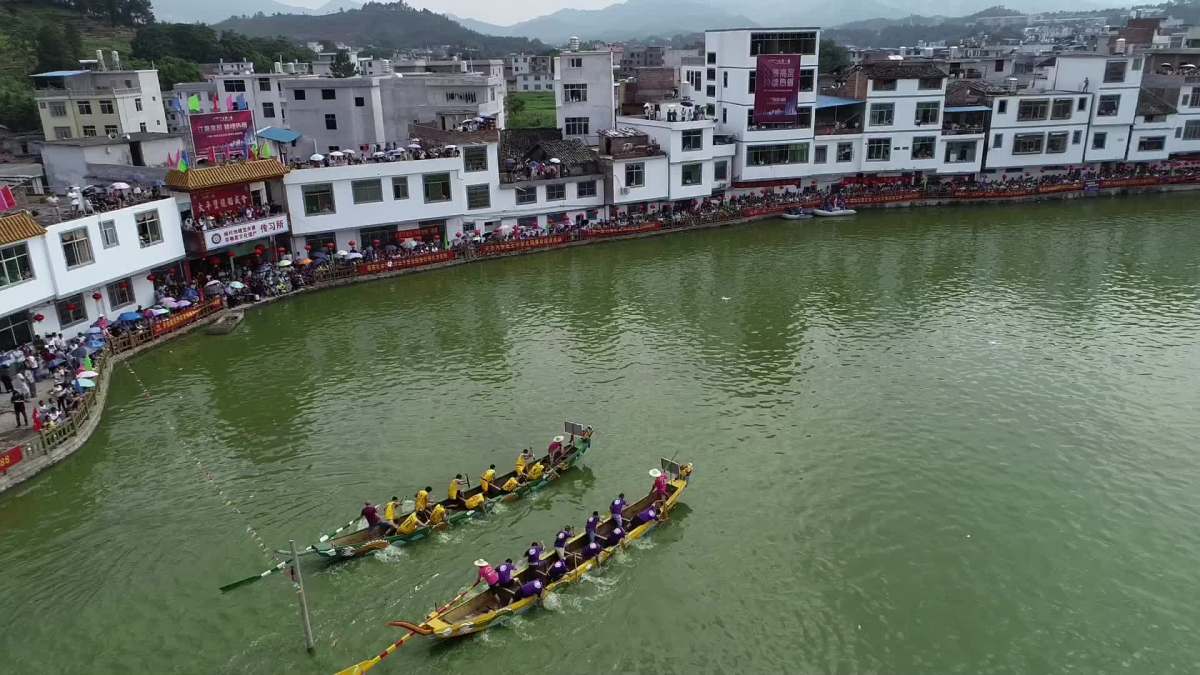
(655, 186)
(1006, 125)
(40, 288)
(596, 72)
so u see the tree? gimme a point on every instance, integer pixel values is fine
(513, 105)
(833, 56)
(18, 112)
(48, 49)
(342, 67)
(172, 70)
(72, 44)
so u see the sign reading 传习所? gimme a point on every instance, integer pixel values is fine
(776, 89)
(237, 234)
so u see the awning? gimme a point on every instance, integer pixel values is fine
(60, 73)
(278, 135)
(834, 101)
(968, 108)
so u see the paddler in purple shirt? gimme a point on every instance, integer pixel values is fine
(530, 589)
(560, 541)
(591, 550)
(615, 536)
(645, 516)
(592, 524)
(616, 509)
(558, 570)
(534, 555)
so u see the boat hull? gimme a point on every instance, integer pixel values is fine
(823, 213)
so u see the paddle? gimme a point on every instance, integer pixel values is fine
(256, 577)
(326, 537)
(364, 666)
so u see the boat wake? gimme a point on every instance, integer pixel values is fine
(391, 554)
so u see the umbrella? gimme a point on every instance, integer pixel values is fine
(349, 151)
(94, 330)
(85, 384)
(337, 153)
(285, 263)
(236, 285)
(120, 186)
(409, 244)
(316, 157)
(414, 145)
(87, 373)
(342, 253)
(159, 311)
(555, 160)
(168, 303)
(450, 147)
(129, 316)
(167, 299)
(182, 303)
(353, 255)
(379, 154)
(213, 282)
(306, 261)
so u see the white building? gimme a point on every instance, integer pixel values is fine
(1115, 81)
(697, 166)
(1038, 128)
(86, 103)
(584, 93)
(56, 271)
(637, 171)
(529, 72)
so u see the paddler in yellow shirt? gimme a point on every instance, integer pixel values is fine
(523, 460)
(392, 510)
(487, 481)
(438, 516)
(422, 505)
(456, 489)
(411, 524)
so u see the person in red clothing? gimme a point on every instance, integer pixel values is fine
(37, 420)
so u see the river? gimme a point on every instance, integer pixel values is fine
(926, 441)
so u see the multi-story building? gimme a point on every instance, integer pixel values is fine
(637, 171)
(1114, 81)
(83, 103)
(1034, 128)
(353, 112)
(698, 161)
(585, 94)
(529, 72)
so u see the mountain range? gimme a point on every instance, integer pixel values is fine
(212, 11)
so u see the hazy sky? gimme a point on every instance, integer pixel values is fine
(492, 11)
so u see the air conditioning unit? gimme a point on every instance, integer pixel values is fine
(624, 190)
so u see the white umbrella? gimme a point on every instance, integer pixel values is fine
(160, 311)
(285, 263)
(555, 160)
(379, 154)
(337, 153)
(354, 255)
(120, 186)
(349, 151)
(451, 147)
(409, 244)
(342, 253)
(213, 282)
(505, 228)
(316, 158)
(88, 373)
(236, 285)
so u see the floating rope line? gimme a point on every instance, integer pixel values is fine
(212, 479)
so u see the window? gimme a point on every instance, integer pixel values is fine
(821, 154)
(1028, 144)
(527, 195)
(331, 121)
(879, 149)
(77, 248)
(1114, 71)
(960, 152)
(767, 155)
(1082, 104)
(924, 147)
(299, 94)
(142, 127)
(71, 310)
(110, 130)
(929, 83)
(58, 109)
(527, 222)
(14, 330)
(62, 132)
(710, 74)
(556, 192)
(108, 234)
(107, 108)
(783, 43)
(1002, 106)
(1151, 143)
(14, 265)
(721, 170)
(137, 104)
(585, 188)
(328, 94)
(998, 141)
(367, 191)
(1137, 64)
(883, 114)
(845, 152)
(928, 112)
(575, 126)
(399, 187)
(264, 84)
(85, 107)
(1191, 130)
(1109, 105)
(693, 139)
(1099, 140)
(710, 91)
(691, 174)
(807, 79)
(318, 199)
(998, 66)
(149, 228)
(479, 196)
(1056, 142)
(89, 130)
(693, 78)
(437, 187)
(575, 62)
(635, 174)
(120, 293)
(711, 57)
(753, 81)
(883, 84)
(574, 93)
(725, 80)
(475, 158)
(1061, 109)
(360, 102)
(1076, 137)
(1033, 109)
(268, 110)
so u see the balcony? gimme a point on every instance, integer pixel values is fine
(536, 173)
(963, 129)
(723, 139)
(201, 242)
(838, 129)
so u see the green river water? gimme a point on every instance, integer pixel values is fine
(926, 441)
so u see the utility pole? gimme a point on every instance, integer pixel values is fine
(309, 643)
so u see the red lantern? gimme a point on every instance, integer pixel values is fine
(214, 261)
(71, 307)
(124, 284)
(150, 278)
(329, 245)
(232, 254)
(375, 243)
(38, 318)
(96, 295)
(260, 249)
(308, 247)
(351, 242)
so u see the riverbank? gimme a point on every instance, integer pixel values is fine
(39, 452)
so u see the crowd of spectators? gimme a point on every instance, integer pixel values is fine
(390, 152)
(229, 217)
(49, 374)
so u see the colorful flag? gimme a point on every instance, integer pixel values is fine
(212, 155)
(230, 104)
(194, 103)
(265, 151)
(182, 165)
(241, 102)
(216, 101)
(7, 200)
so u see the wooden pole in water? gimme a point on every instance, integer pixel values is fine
(309, 643)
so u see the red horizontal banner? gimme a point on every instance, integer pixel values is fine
(522, 245)
(381, 266)
(11, 457)
(1128, 182)
(620, 231)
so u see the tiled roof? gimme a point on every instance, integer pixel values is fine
(516, 143)
(19, 227)
(226, 174)
(901, 70)
(570, 152)
(1150, 103)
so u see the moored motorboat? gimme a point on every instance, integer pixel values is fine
(225, 323)
(796, 214)
(833, 213)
